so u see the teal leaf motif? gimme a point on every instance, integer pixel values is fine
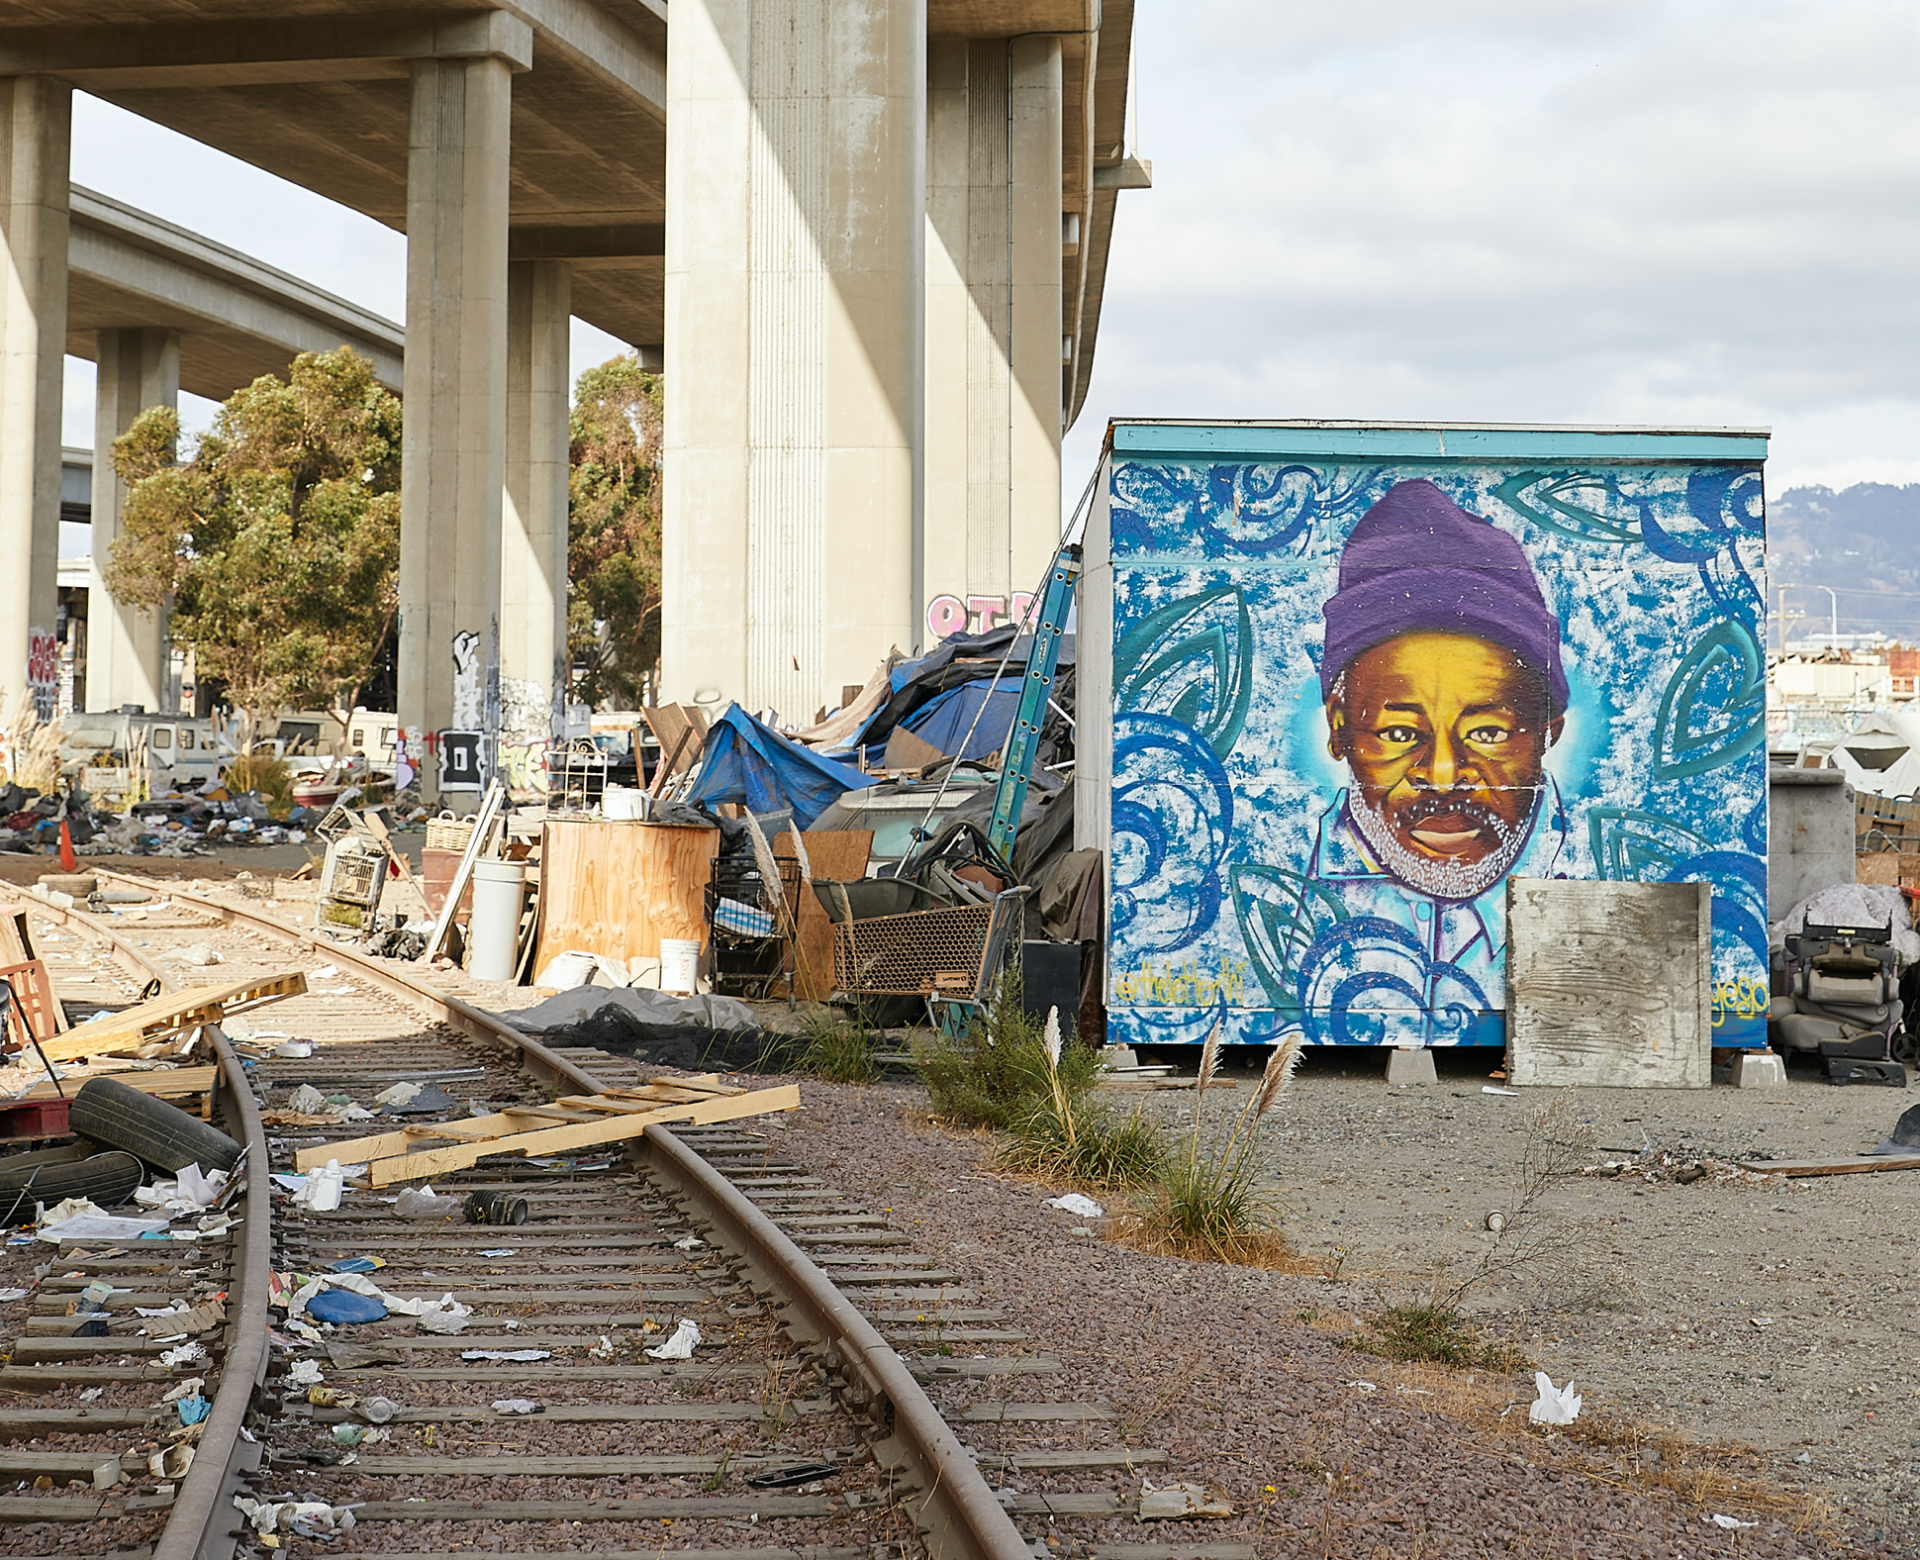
(1715, 707)
(1191, 660)
(1280, 914)
(1632, 846)
(1544, 498)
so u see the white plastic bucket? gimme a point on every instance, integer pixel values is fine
(499, 890)
(624, 802)
(679, 964)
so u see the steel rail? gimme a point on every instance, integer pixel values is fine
(951, 1503)
(205, 1493)
(211, 1480)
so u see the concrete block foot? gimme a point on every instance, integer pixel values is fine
(1410, 1067)
(1759, 1070)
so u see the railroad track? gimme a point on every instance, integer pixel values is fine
(801, 1428)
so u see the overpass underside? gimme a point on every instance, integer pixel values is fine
(865, 238)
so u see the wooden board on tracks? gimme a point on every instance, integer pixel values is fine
(575, 1121)
(168, 1014)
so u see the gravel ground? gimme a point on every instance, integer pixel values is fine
(1247, 1378)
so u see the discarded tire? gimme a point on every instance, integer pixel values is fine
(164, 1135)
(107, 1180)
(79, 884)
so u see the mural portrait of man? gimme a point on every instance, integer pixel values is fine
(1444, 691)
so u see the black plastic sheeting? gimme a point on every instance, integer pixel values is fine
(688, 1047)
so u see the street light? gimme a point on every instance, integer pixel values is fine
(1833, 635)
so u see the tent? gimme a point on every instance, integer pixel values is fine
(944, 719)
(747, 761)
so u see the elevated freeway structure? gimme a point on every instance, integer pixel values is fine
(867, 239)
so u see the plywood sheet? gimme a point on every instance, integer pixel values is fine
(1608, 984)
(838, 856)
(617, 888)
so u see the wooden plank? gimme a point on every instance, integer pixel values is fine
(35, 1012)
(168, 1084)
(1609, 984)
(407, 1167)
(1850, 1165)
(586, 1466)
(16, 941)
(619, 889)
(838, 856)
(177, 1010)
(667, 1508)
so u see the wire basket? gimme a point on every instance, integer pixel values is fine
(925, 953)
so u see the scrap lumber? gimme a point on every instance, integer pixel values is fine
(586, 1134)
(35, 1012)
(168, 1015)
(836, 856)
(167, 1083)
(16, 941)
(587, 1107)
(1851, 1164)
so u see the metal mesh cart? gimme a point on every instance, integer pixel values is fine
(749, 932)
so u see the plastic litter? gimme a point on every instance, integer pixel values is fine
(1182, 1500)
(1487, 1088)
(294, 1050)
(1075, 1203)
(1554, 1405)
(514, 1356)
(399, 1094)
(186, 1354)
(14, 1294)
(305, 1373)
(349, 1434)
(198, 954)
(357, 1265)
(378, 1410)
(308, 1100)
(686, 1337)
(491, 1251)
(424, 1204)
(321, 1193)
(170, 1463)
(446, 1318)
(1729, 1523)
(341, 1306)
(268, 1516)
(188, 1388)
(515, 1406)
(688, 1243)
(194, 1409)
(78, 1219)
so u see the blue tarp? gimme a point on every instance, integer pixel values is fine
(747, 761)
(944, 719)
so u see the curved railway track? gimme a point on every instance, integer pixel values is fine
(797, 1430)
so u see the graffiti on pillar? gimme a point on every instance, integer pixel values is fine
(43, 673)
(526, 733)
(466, 679)
(460, 759)
(476, 694)
(948, 614)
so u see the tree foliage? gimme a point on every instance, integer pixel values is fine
(277, 544)
(613, 537)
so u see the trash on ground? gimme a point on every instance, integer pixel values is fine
(1554, 1405)
(513, 1356)
(321, 1193)
(305, 1373)
(516, 1406)
(378, 1410)
(680, 1346)
(288, 1515)
(344, 1306)
(688, 1243)
(1729, 1523)
(194, 1409)
(425, 1203)
(1182, 1500)
(1074, 1203)
(186, 1354)
(1487, 1088)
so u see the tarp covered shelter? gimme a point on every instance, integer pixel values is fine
(747, 761)
(946, 719)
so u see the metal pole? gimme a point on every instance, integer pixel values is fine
(1833, 632)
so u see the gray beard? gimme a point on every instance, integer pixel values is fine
(1442, 879)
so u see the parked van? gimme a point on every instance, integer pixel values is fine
(113, 756)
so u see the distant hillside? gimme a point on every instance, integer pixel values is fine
(1864, 541)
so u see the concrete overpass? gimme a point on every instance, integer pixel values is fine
(161, 309)
(867, 237)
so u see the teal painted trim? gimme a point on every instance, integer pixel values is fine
(1257, 441)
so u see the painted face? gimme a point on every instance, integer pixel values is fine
(1445, 735)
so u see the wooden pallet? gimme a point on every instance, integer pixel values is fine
(571, 1122)
(168, 1015)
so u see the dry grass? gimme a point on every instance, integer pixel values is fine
(34, 747)
(1265, 1249)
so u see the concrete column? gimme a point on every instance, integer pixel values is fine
(126, 645)
(994, 120)
(533, 543)
(794, 311)
(456, 399)
(36, 118)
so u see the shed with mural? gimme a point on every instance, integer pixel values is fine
(1339, 682)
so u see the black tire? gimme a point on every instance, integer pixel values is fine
(107, 1179)
(165, 1136)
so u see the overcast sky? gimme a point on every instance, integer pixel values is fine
(1692, 212)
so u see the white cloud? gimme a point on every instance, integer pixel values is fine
(1693, 213)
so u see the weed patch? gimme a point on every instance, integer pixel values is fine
(838, 1051)
(998, 1075)
(1436, 1335)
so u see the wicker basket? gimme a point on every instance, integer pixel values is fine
(449, 833)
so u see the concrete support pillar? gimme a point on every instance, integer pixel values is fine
(533, 545)
(456, 397)
(126, 645)
(36, 118)
(994, 122)
(794, 312)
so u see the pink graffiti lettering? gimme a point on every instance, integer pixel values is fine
(945, 615)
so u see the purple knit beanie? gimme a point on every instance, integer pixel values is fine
(1418, 562)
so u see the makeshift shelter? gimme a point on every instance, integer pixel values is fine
(747, 761)
(948, 720)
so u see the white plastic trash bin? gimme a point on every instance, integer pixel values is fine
(679, 964)
(499, 891)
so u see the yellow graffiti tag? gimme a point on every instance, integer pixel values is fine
(1743, 998)
(1181, 985)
